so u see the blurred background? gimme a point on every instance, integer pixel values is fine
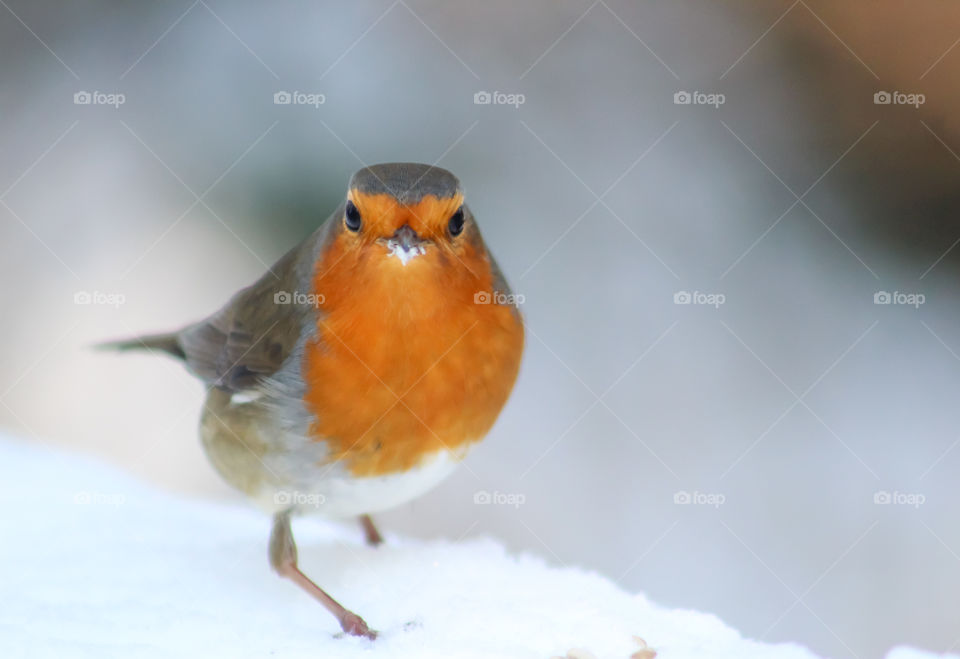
(738, 393)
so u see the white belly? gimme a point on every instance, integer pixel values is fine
(333, 492)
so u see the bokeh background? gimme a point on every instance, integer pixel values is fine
(813, 430)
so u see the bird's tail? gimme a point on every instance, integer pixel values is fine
(168, 343)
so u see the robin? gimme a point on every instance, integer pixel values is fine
(357, 372)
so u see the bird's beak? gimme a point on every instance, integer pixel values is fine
(405, 244)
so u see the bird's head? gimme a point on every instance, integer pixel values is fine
(405, 227)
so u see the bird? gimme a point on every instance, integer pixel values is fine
(358, 371)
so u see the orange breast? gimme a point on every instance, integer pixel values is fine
(405, 364)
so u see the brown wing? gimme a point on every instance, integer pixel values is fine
(255, 332)
(252, 336)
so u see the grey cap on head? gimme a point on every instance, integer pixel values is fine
(409, 182)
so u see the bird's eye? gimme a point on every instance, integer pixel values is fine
(455, 226)
(352, 217)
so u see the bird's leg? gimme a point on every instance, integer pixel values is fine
(283, 558)
(370, 531)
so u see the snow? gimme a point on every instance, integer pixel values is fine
(95, 564)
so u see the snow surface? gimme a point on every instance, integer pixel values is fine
(95, 564)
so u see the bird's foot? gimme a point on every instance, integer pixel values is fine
(354, 625)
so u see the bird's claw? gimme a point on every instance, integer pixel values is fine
(354, 625)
